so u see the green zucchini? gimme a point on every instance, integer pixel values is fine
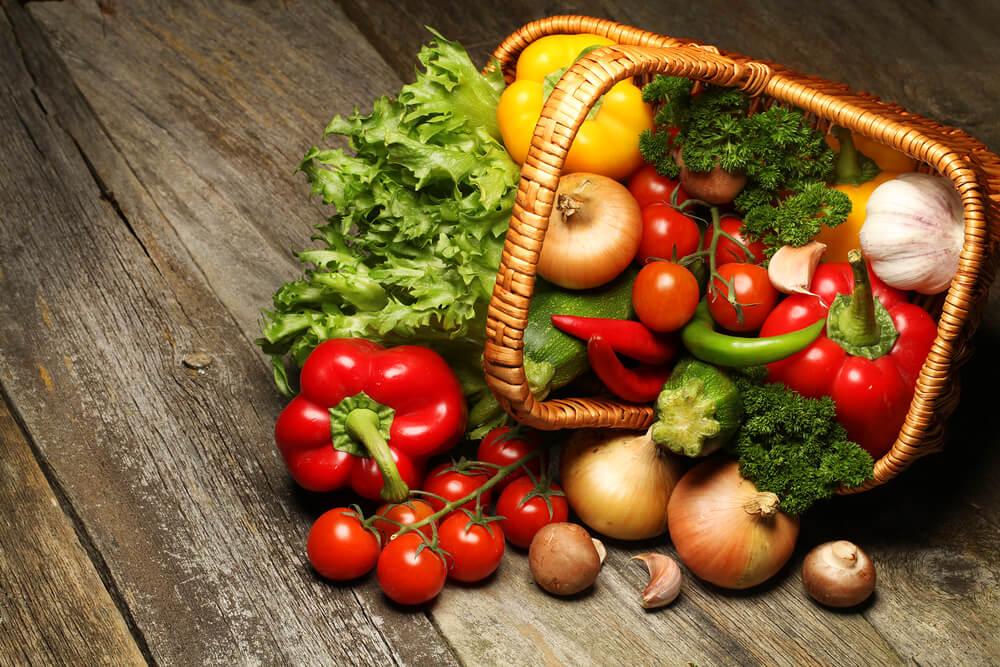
(553, 359)
(699, 409)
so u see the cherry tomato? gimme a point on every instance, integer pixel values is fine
(340, 547)
(452, 485)
(502, 449)
(648, 187)
(476, 550)
(665, 295)
(409, 571)
(667, 233)
(726, 251)
(753, 291)
(523, 518)
(407, 513)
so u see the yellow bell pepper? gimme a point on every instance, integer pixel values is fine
(606, 144)
(842, 238)
(886, 157)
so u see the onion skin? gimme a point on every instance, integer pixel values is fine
(619, 482)
(593, 234)
(720, 527)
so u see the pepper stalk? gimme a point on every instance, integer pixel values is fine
(859, 322)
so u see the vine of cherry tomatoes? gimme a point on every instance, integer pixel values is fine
(417, 545)
(666, 291)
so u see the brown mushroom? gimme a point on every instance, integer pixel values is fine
(838, 574)
(563, 558)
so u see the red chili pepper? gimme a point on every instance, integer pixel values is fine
(639, 385)
(628, 337)
(869, 356)
(369, 417)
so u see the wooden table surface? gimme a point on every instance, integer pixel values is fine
(148, 211)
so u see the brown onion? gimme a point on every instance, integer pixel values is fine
(593, 234)
(619, 482)
(725, 530)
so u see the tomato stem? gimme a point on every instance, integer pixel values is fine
(490, 483)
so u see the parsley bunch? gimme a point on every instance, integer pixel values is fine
(787, 162)
(794, 446)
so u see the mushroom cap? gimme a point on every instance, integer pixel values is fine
(838, 574)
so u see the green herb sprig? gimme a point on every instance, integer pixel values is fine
(787, 162)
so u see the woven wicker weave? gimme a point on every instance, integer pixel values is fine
(950, 152)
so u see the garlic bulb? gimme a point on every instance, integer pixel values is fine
(913, 232)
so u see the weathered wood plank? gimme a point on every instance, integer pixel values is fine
(56, 609)
(172, 471)
(936, 557)
(214, 105)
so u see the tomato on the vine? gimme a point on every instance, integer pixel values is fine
(648, 187)
(727, 252)
(665, 295)
(452, 482)
(410, 571)
(476, 549)
(340, 547)
(524, 509)
(501, 447)
(406, 513)
(667, 233)
(753, 292)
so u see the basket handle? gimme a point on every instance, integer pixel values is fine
(561, 117)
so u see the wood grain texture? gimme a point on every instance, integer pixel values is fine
(214, 105)
(56, 609)
(172, 471)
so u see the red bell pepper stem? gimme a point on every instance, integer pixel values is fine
(638, 385)
(628, 337)
(856, 322)
(362, 425)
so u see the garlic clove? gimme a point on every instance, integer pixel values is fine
(791, 269)
(664, 580)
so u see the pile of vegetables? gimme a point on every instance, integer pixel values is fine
(701, 256)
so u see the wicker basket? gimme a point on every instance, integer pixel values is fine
(640, 54)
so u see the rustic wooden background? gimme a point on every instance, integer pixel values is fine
(148, 210)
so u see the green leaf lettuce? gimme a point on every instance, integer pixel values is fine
(422, 201)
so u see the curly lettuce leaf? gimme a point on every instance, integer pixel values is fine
(422, 199)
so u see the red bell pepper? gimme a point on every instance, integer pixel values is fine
(369, 417)
(869, 356)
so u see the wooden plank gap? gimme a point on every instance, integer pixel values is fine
(84, 539)
(106, 195)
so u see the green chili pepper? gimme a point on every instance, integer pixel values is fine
(705, 343)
